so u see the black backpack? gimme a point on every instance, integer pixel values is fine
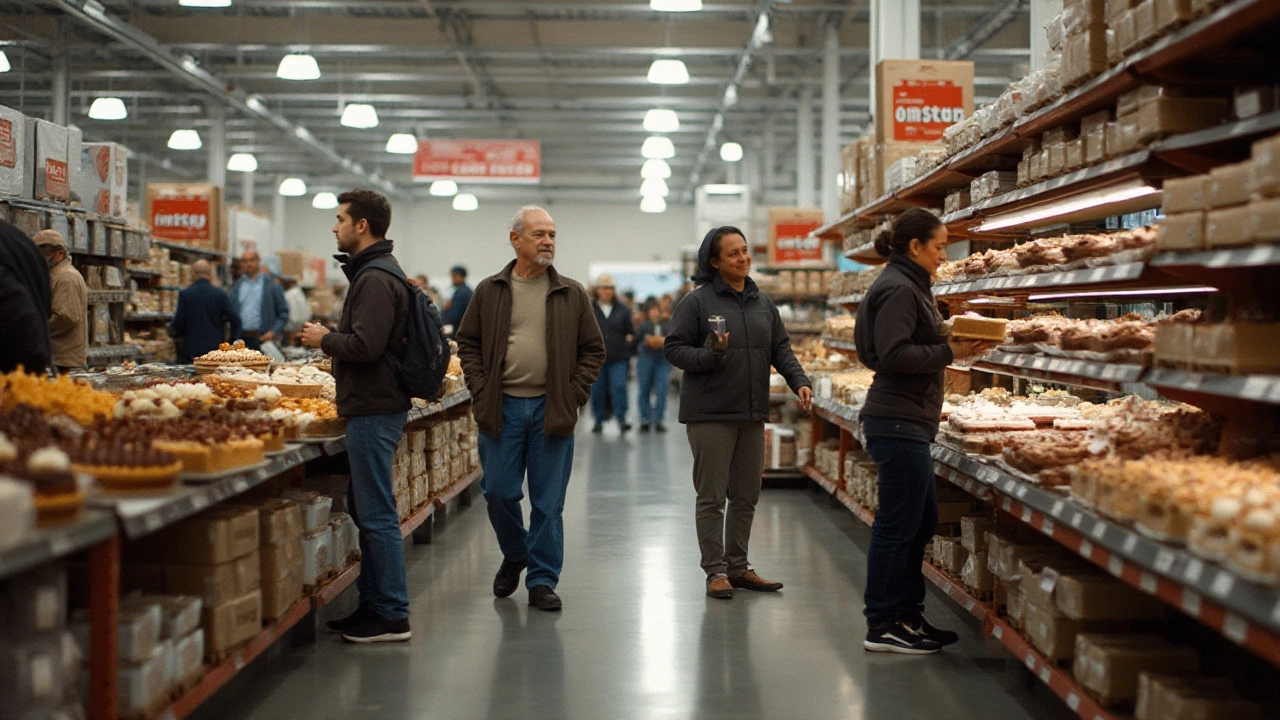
(422, 361)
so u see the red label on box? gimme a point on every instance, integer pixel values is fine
(793, 246)
(103, 204)
(478, 161)
(922, 109)
(55, 179)
(102, 162)
(8, 153)
(181, 218)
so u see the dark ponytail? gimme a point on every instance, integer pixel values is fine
(914, 224)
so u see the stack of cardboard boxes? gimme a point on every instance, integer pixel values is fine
(280, 553)
(39, 660)
(1236, 204)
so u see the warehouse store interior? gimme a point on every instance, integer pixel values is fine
(1014, 451)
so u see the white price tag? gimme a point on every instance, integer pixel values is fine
(1275, 613)
(1031, 662)
(1116, 566)
(968, 605)
(1259, 255)
(151, 523)
(241, 485)
(199, 502)
(1073, 701)
(1098, 275)
(1006, 504)
(1077, 520)
(1193, 571)
(1026, 514)
(1086, 549)
(997, 632)
(1164, 561)
(1235, 628)
(1039, 363)
(1130, 543)
(1058, 507)
(1255, 388)
(1191, 602)
(1046, 526)
(1045, 675)
(60, 545)
(239, 662)
(1222, 584)
(1147, 582)
(1021, 492)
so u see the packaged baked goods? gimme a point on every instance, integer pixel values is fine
(978, 328)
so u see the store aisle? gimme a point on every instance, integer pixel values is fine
(638, 638)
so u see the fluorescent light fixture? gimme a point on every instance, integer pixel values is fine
(675, 6)
(668, 72)
(761, 34)
(1124, 293)
(324, 201)
(654, 187)
(242, 162)
(731, 152)
(185, 140)
(293, 187)
(108, 108)
(1117, 200)
(298, 66)
(658, 148)
(4, 63)
(465, 202)
(655, 168)
(444, 188)
(205, 3)
(731, 95)
(659, 120)
(402, 144)
(723, 189)
(359, 115)
(653, 204)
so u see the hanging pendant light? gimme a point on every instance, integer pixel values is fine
(298, 66)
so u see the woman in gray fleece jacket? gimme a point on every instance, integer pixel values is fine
(724, 401)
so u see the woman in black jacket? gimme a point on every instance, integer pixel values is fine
(724, 401)
(899, 335)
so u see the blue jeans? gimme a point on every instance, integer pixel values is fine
(904, 525)
(371, 447)
(523, 448)
(653, 375)
(611, 389)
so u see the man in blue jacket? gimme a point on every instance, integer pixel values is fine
(457, 305)
(258, 300)
(203, 314)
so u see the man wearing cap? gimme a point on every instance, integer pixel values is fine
(457, 305)
(69, 303)
(610, 389)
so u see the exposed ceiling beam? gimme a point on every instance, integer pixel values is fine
(984, 30)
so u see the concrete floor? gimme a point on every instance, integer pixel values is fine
(638, 638)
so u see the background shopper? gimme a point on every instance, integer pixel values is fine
(375, 407)
(259, 301)
(609, 394)
(899, 335)
(724, 401)
(68, 303)
(24, 295)
(203, 314)
(299, 308)
(457, 305)
(530, 350)
(653, 372)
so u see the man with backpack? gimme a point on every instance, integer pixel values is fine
(371, 347)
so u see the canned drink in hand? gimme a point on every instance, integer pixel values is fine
(717, 324)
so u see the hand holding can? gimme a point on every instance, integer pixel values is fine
(717, 325)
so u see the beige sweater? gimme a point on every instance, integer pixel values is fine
(524, 374)
(69, 319)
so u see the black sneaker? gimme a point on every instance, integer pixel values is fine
(508, 577)
(661, 428)
(344, 624)
(938, 635)
(898, 637)
(626, 427)
(597, 428)
(378, 630)
(644, 427)
(545, 598)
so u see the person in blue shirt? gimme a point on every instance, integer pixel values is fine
(204, 311)
(457, 305)
(258, 300)
(653, 372)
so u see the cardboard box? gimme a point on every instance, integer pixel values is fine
(314, 508)
(1095, 146)
(279, 595)
(1191, 697)
(973, 530)
(317, 550)
(1054, 637)
(142, 686)
(1264, 221)
(279, 521)
(1171, 13)
(1176, 115)
(1229, 185)
(214, 537)
(1084, 55)
(1238, 348)
(951, 556)
(103, 181)
(1075, 155)
(789, 242)
(1228, 228)
(293, 262)
(15, 172)
(189, 655)
(1173, 342)
(1108, 666)
(277, 561)
(187, 213)
(1116, 8)
(215, 584)
(1186, 194)
(1264, 177)
(1095, 596)
(231, 623)
(47, 160)
(1182, 231)
(916, 100)
(1144, 23)
(953, 512)
(179, 614)
(976, 575)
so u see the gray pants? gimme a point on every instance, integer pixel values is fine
(728, 464)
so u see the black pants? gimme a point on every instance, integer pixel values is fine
(904, 525)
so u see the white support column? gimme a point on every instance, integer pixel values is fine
(1042, 11)
(61, 107)
(277, 219)
(830, 123)
(218, 145)
(769, 157)
(246, 188)
(895, 34)
(804, 150)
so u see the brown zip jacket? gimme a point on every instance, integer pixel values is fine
(69, 315)
(575, 350)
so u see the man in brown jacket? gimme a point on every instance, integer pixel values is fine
(531, 349)
(69, 311)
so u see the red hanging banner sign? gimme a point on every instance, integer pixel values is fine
(478, 161)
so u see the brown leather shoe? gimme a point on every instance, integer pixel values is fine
(718, 586)
(749, 580)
